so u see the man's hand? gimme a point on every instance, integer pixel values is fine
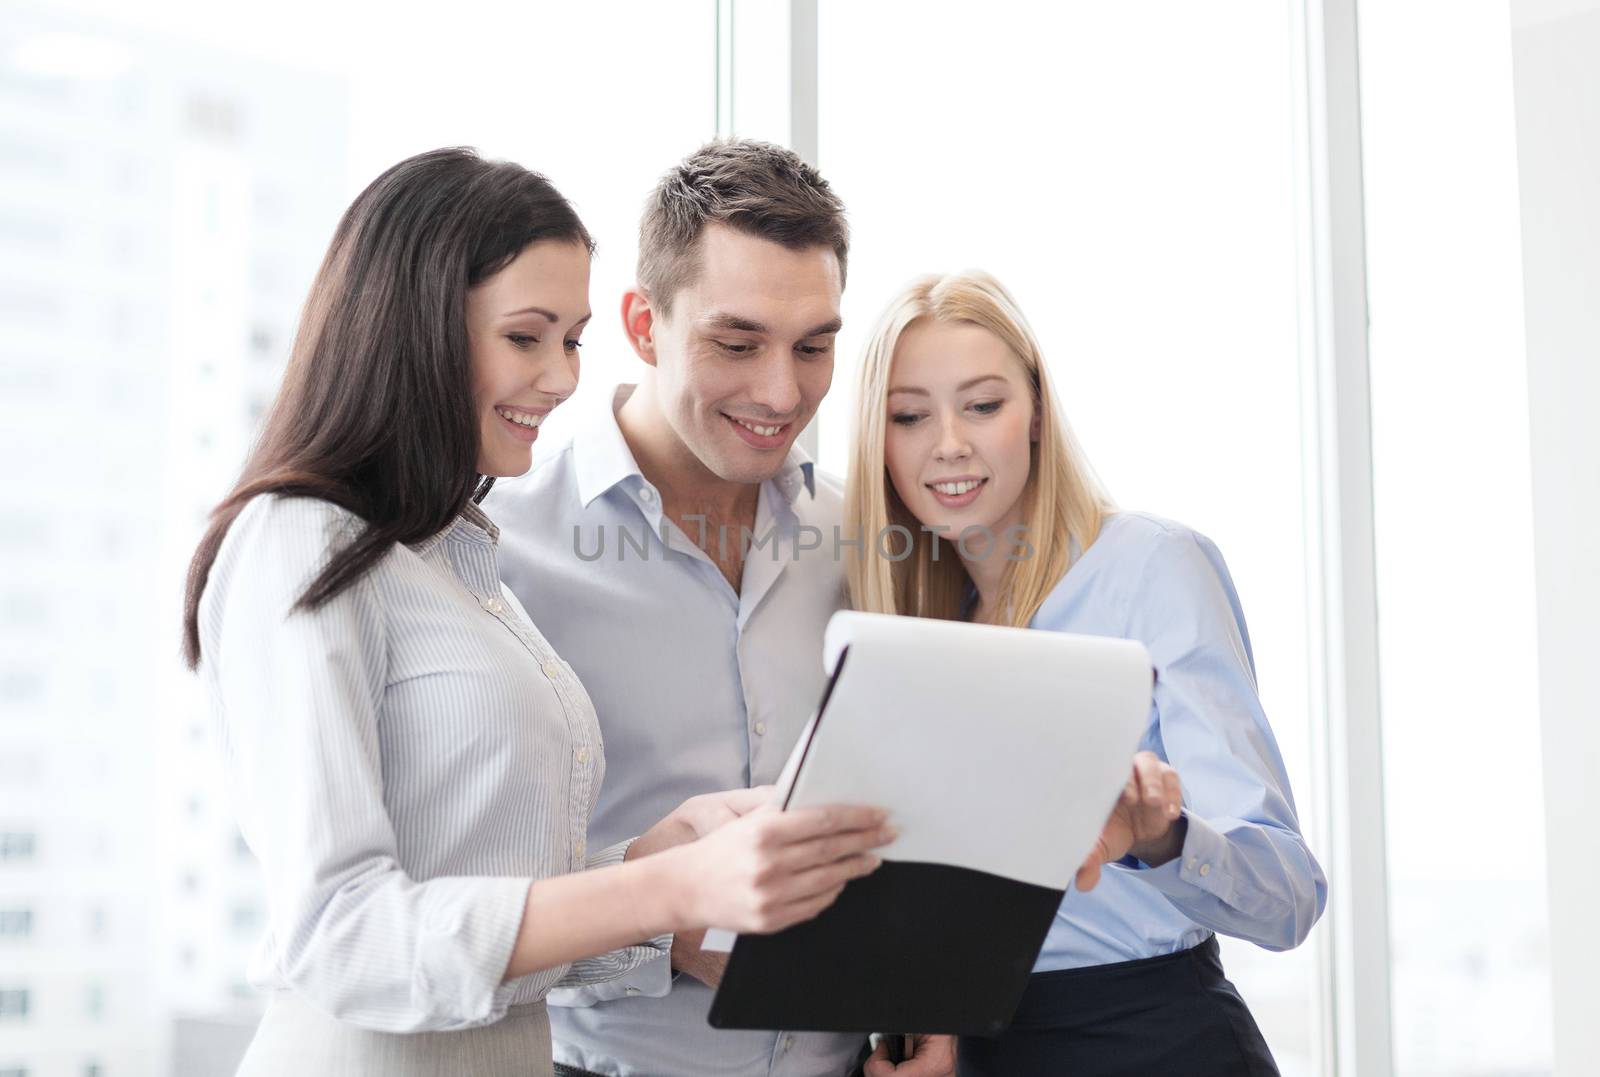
(931, 1056)
(1146, 822)
(697, 817)
(689, 959)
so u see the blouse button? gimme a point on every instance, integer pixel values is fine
(493, 605)
(551, 669)
(583, 755)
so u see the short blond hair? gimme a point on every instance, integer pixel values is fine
(1063, 502)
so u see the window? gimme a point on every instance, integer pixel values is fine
(16, 845)
(1470, 931)
(16, 923)
(1148, 230)
(13, 1003)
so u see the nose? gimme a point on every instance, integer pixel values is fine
(777, 387)
(558, 377)
(952, 443)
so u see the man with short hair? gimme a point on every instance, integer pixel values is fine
(679, 552)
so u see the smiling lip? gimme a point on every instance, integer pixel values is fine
(522, 430)
(960, 500)
(757, 440)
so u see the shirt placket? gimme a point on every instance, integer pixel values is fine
(583, 745)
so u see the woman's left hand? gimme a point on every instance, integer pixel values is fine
(1147, 821)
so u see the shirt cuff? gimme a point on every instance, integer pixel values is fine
(611, 854)
(1199, 867)
(468, 931)
(651, 979)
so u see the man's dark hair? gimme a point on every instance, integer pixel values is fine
(754, 187)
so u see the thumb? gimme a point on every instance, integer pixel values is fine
(743, 801)
(1088, 876)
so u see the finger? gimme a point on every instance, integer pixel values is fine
(803, 823)
(1088, 876)
(802, 885)
(831, 847)
(925, 1063)
(878, 1064)
(798, 912)
(744, 801)
(1152, 786)
(1174, 793)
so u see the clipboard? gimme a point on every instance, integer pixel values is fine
(999, 752)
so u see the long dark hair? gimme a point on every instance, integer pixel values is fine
(376, 412)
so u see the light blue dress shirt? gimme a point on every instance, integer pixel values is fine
(698, 687)
(1245, 870)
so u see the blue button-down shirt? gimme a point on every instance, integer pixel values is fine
(1245, 870)
(698, 687)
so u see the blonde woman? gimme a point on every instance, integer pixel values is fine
(963, 453)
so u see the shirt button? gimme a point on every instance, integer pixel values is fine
(551, 669)
(761, 729)
(648, 494)
(494, 605)
(1205, 869)
(583, 755)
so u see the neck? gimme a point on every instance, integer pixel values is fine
(670, 466)
(988, 574)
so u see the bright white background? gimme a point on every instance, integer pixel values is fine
(168, 179)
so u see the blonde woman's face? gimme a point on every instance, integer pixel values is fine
(960, 428)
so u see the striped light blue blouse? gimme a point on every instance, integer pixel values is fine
(404, 761)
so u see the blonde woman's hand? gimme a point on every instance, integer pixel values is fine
(770, 869)
(1146, 822)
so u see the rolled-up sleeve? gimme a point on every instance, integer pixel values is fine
(299, 694)
(1245, 869)
(621, 973)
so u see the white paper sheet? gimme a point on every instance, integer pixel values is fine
(997, 749)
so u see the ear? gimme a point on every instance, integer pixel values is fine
(639, 324)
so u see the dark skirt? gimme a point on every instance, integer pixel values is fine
(1175, 1015)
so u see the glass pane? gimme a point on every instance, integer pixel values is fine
(1128, 171)
(172, 175)
(1470, 930)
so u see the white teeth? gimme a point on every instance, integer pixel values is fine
(956, 489)
(520, 418)
(764, 431)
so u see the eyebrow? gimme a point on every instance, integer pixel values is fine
(963, 387)
(737, 324)
(550, 315)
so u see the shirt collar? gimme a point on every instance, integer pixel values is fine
(603, 460)
(472, 525)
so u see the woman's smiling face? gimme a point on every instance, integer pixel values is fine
(961, 425)
(523, 325)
